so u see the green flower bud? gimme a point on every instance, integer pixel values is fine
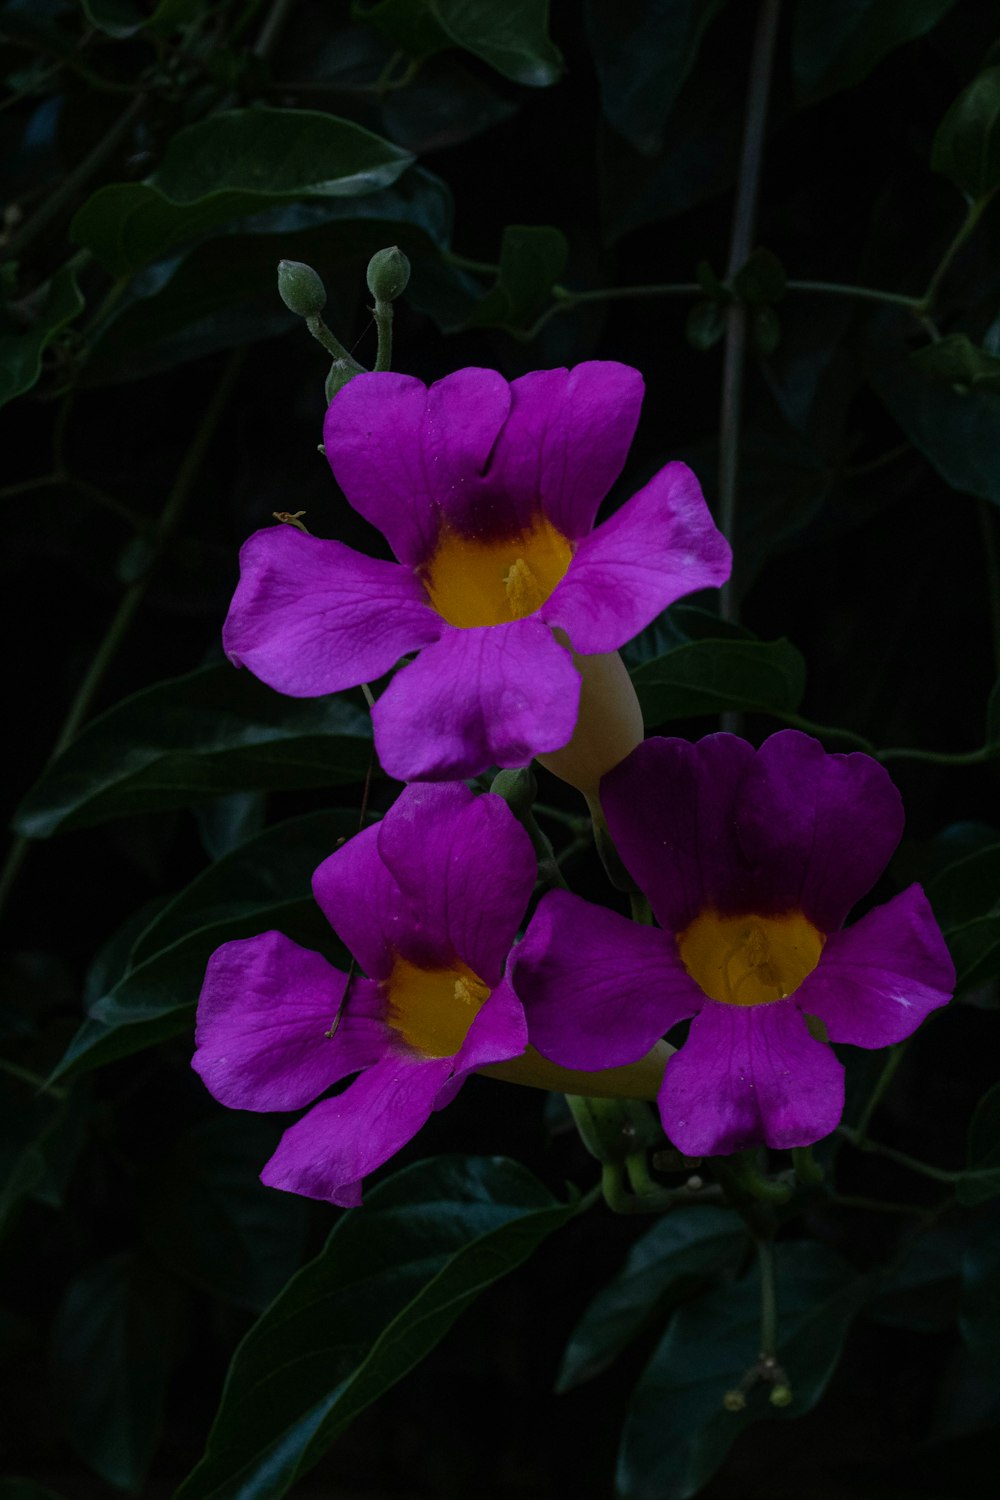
(300, 288)
(781, 1396)
(734, 1401)
(518, 789)
(388, 273)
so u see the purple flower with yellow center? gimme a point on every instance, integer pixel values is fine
(487, 493)
(751, 861)
(428, 902)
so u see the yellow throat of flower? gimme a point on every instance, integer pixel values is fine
(476, 582)
(749, 960)
(432, 1009)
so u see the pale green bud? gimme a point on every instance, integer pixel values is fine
(300, 288)
(388, 274)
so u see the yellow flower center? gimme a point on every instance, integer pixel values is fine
(432, 1009)
(472, 581)
(749, 960)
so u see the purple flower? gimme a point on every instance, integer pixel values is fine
(751, 860)
(428, 902)
(487, 493)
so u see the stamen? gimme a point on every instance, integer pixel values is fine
(524, 593)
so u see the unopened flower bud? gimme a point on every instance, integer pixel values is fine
(388, 273)
(781, 1396)
(300, 288)
(517, 788)
(734, 1401)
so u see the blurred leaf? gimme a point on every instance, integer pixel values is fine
(21, 353)
(513, 38)
(211, 1220)
(643, 51)
(113, 1342)
(677, 626)
(979, 1314)
(967, 144)
(676, 1431)
(922, 1292)
(957, 360)
(532, 258)
(712, 676)
(762, 279)
(25, 1489)
(392, 1279)
(122, 18)
(765, 329)
(958, 433)
(968, 886)
(188, 739)
(837, 43)
(227, 822)
(706, 324)
(264, 884)
(983, 1152)
(228, 165)
(686, 1246)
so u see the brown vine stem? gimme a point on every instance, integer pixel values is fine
(179, 495)
(741, 240)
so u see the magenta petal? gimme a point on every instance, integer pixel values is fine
(498, 1033)
(598, 991)
(670, 807)
(750, 1076)
(818, 828)
(403, 454)
(265, 1007)
(877, 980)
(311, 616)
(495, 695)
(363, 904)
(466, 869)
(567, 438)
(660, 545)
(332, 1148)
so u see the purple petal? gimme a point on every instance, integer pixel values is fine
(495, 695)
(498, 1033)
(265, 1008)
(597, 990)
(750, 1076)
(660, 545)
(877, 980)
(332, 1148)
(817, 829)
(363, 904)
(466, 868)
(404, 455)
(311, 616)
(670, 809)
(566, 440)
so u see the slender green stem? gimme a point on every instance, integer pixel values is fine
(858, 293)
(878, 1205)
(25, 486)
(563, 294)
(640, 908)
(330, 343)
(559, 815)
(925, 1169)
(32, 1079)
(885, 1077)
(965, 229)
(768, 1300)
(70, 186)
(978, 757)
(741, 239)
(465, 263)
(825, 731)
(131, 599)
(382, 312)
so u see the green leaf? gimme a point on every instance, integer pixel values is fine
(837, 43)
(676, 1431)
(21, 353)
(686, 1246)
(191, 738)
(958, 433)
(979, 1312)
(112, 1347)
(921, 1293)
(706, 324)
(762, 279)
(643, 52)
(712, 676)
(513, 38)
(263, 884)
(392, 1279)
(532, 258)
(678, 626)
(229, 165)
(213, 1222)
(956, 360)
(983, 1152)
(969, 886)
(967, 144)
